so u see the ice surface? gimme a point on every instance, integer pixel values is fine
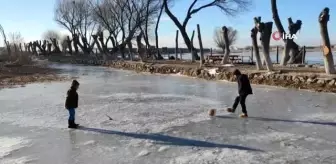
(8, 145)
(163, 119)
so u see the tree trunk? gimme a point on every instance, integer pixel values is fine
(176, 44)
(183, 31)
(328, 57)
(130, 47)
(69, 44)
(290, 45)
(56, 47)
(265, 30)
(225, 59)
(44, 46)
(102, 43)
(192, 45)
(49, 47)
(96, 42)
(159, 56)
(285, 55)
(200, 44)
(75, 41)
(254, 33)
(295, 56)
(141, 50)
(113, 42)
(276, 18)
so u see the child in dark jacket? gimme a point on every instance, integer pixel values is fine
(71, 103)
(244, 89)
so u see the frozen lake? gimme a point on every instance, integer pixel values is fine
(163, 119)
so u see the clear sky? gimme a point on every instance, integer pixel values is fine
(32, 18)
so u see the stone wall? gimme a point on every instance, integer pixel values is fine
(310, 82)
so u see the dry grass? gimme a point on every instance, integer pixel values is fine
(16, 58)
(20, 69)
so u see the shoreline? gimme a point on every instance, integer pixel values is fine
(302, 78)
(18, 76)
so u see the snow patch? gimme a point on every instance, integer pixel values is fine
(321, 116)
(8, 145)
(143, 153)
(163, 148)
(213, 156)
(21, 160)
(92, 142)
(213, 71)
(269, 137)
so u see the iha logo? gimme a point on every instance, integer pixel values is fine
(278, 36)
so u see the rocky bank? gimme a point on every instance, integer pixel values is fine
(310, 81)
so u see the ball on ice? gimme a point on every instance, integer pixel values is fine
(212, 112)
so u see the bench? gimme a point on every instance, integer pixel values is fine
(232, 58)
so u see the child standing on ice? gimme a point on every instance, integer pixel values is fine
(71, 103)
(244, 89)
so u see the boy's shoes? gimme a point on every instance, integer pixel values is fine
(244, 115)
(72, 124)
(230, 110)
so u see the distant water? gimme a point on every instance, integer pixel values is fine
(311, 57)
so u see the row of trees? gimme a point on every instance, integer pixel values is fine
(292, 52)
(124, 20)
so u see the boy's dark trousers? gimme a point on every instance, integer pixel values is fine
(71, 120)
(240, 99)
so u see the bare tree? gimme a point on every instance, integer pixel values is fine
(15, 41)
(51, 34)
(15, 38)
(150, 10)
(86, 25)
(65, 15)
(5, 40)
(231, 7)
(106, 13)
(76, 17)
(156, 32)
(290, 45)
(219, 38)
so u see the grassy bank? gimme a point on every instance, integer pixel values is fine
(20, 75)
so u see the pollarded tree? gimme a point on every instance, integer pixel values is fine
(290, 45)
(265, 30)
(229, 7)
(54, 37)
(328, 56)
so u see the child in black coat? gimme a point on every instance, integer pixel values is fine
(244, 89)
(71, 103)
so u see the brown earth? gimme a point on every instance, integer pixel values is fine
(19, 75)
